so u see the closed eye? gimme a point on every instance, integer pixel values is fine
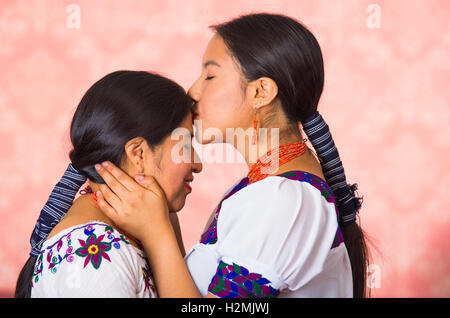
(209, 78)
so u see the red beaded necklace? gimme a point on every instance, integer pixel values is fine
(87, 190)
(283, 154)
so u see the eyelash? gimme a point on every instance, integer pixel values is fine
(209, 78)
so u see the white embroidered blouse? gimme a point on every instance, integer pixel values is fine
(91, 260)
(277, 237)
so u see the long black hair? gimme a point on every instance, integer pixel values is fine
(281, 48)
(119, 107)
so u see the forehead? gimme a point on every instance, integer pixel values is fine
(187, 123)
(216, 50)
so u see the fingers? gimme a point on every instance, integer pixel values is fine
(107, 209)
(151, 184)
(115, 184)
(110, 197)
(127, 181)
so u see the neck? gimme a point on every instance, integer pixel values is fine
(266, 141)
(86, 208)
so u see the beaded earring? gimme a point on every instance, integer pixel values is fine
(255, 128)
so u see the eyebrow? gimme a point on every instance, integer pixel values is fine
(211, 62)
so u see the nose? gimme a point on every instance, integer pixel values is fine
(193, 92)
(197, 165)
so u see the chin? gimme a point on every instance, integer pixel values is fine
(212, 140)
(202, 141)
(176, 205)
(199, 136)
(206, 142)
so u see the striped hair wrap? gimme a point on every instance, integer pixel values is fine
(57, 205)
(319, 134)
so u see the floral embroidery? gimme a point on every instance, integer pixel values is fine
(88, 247)
(148, 279)
(210, 236)
(116, 244)
(234, 281)
(37, 270)
(94, 249)
(54, 260)
(338, 238)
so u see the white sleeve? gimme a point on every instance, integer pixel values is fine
(277, 235)
(94, 265)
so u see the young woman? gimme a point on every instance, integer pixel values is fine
(127, 117)
(277, 233)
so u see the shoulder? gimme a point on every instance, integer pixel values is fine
(281, 194)
(89, 245)
(71, 221)
(93, 256)
(93, 246)
(89, 238)
(81, 214)
(276, 205)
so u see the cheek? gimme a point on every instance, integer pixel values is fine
(213, 101)
(174, 179)
(221, 105)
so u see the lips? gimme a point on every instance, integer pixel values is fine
(188, 186)
(194, 114)
(186, 183)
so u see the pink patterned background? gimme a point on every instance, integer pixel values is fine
(386, 100)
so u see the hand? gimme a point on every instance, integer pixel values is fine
(137, 208)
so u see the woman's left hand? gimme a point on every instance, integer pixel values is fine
(138, 208)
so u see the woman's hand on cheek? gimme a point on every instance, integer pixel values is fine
(137, 208)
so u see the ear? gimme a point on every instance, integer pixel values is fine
(262, 91)
(135, 152)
